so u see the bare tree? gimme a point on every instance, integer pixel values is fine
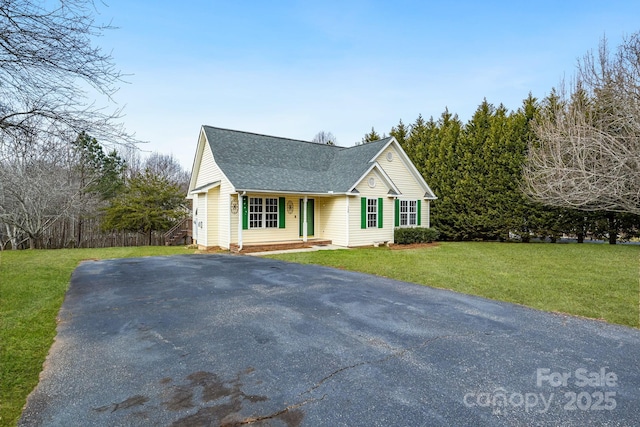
(50, 70)
(47, 59)
(168, 167)
(132, 159)
(36, 189)
(161, 165)
(45, 181)
(587, 155)
(323, 137)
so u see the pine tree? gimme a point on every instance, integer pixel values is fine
(100, 178)
(370, 137)
(100, 172)
(474, 210)
(400, 133)
(442, 167)
(476, 171)
(148, 203)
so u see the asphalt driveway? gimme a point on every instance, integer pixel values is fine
(203, 340)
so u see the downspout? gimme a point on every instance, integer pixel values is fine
(229, 223)
(240, 213)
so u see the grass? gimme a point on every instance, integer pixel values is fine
(597, 281)
(590, 280)
(32, 288)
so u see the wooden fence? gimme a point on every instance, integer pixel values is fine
(85, 233)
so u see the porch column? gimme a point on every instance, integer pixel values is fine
(304, 220)
(240, 207)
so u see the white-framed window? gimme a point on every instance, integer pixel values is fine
(271, 212)
(372, 213)
(263, 213)
(255, 212)
(408, 212)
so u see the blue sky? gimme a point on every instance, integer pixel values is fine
(294, 68)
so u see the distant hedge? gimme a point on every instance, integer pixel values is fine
(406, 236)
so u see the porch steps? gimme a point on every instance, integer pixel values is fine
(180, 234)
(278, 246)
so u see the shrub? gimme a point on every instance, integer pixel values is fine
(406, 236)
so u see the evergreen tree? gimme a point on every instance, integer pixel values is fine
(99, 173)
(612, 226)
(148, 203)
(473, 189)
(525, 217)
(100, 178)
(476, 169)
(442, 168)
(416, 141)
(370, 137)
(400, 133)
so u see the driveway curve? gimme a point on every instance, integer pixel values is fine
(209, 340)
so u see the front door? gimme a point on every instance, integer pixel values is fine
(310, 219)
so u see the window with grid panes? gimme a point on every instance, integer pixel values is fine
(271, 213)
(408, 212)
(263, 213)
(372, 213)
(255, 212)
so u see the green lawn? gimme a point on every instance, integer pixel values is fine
(32, 287)
(598, 281)
(591, 280)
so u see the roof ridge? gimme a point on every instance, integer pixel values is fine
(271, 136)
(368, 144)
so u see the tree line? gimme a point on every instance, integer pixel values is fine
(568, 164)
(77, 194)
(60, 186)
(476, 170)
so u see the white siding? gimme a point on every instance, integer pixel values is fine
(213, 197)
(291, 230)
(332, 219)
(202, 221)
(368, 236)
(402, 177)
(224, 213)
(336, 218)
(400, 174)
(194, 222)
(209, 171)
(426, 213)
(214, 206)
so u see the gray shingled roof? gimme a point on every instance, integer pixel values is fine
(260, 162)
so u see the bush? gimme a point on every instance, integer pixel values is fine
(407, 236)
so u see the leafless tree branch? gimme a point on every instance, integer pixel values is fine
(48, 65)
(587, 155)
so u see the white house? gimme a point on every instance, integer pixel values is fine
(257, 189)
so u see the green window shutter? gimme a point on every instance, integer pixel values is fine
(418, 207)
(363, 212)
(281, 213)
(380, 221)
(245, 212)
(397, 213)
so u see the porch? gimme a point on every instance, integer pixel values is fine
(279, 245)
